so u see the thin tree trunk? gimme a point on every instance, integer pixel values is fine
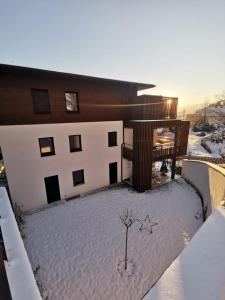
(126, 248)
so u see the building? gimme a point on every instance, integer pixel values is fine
(63, 134)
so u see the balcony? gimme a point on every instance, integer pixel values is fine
(127, 150)
(159, 153)
(162, 153)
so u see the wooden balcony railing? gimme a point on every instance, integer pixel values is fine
(127, 150)
(163, 153)
(157, 154)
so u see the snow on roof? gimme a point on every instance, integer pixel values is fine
(198, 273)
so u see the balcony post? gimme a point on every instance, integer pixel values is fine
(176, 143)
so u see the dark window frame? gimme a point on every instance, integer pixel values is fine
(53, 147)
(110, 144)
(80, 182)
(78, 106)
(33, 101)
(75, 149)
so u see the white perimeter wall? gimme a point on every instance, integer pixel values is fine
(209, 179)
(20, 276)
(26, 169)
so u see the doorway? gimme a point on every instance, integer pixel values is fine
(113, 172)
(52, 188)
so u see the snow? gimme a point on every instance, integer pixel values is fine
(199, 272)
(195, 147)
(215, 141)
(17, 264)
(80, 245)
(217, 149)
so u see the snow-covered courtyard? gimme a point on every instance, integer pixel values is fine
(79, 244)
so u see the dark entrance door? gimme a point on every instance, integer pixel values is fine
(52, 188)
(113, 172)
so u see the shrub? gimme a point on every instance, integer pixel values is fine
(19, 218)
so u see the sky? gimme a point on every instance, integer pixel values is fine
(178, 45)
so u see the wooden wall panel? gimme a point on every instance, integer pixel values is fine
(98, 101)
(153, 108)
(183, 130)
(142, 157)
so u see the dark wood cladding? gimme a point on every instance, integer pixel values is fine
(183, 132)
(99, 99)
(150, 107)
(97, 102)
(142, 157)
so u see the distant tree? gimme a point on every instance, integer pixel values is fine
(220, 98)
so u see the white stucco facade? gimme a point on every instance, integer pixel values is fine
(26, 169)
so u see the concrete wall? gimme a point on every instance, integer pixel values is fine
(18, 268)
(26, 169)
(209, 179)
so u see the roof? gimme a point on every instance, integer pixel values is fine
(27, 70)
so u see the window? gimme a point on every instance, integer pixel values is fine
(40, 101)
(47, 146)
(78, 177)
(75, 143)
(112, 138)
(72, 101)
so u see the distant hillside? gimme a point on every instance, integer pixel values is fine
(217, 109)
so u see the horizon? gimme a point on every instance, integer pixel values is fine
(177, 46)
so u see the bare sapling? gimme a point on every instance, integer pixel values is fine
(127, 219)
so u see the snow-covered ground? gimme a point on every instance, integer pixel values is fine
(217, 149)
(215, 141)
(196, 149)
(194, 145)
(79, 244)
